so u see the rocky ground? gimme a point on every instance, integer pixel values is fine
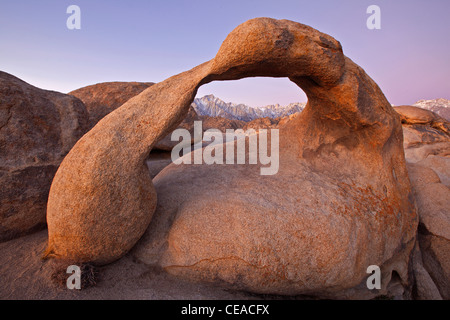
(24, 275)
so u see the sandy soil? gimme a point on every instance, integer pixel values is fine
(24, 275)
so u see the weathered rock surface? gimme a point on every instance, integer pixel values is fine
(439, 106)
(433, 203)
(339, 202)
(425, 133)
(25, 276)
(166, 143)
(103, 98)
(158, 161)
(37, 129)
(440, 165)
(427, 147)
(108, 167)
(436, 260)
(261, 123)
(425, 288)
(221, 124)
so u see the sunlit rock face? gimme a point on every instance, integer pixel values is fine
(340, 202)
(102, 98)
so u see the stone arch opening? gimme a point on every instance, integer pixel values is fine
(215, 112)
(255, 92)
(340, 153)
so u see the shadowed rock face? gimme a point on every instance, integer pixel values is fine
(37, 129)
(339, 203)
(427, 148)
(166, 143)
(426, 140)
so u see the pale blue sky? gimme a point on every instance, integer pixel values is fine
(153, 39)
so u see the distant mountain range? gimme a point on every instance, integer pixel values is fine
(214, 107)
(439, 106)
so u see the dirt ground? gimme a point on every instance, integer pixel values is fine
(24, 275)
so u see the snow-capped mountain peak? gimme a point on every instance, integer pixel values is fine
(439, 106)
(212, 106)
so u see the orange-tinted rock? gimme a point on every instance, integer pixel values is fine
(425, 133)
(37, 129)
(440, 165)
(103, 98)
(339, 202)
(166, 143)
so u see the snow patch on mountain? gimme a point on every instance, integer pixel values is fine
(212, 106)
(439, 106)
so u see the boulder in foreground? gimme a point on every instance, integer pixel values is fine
(37, 129)
(102, 98)
(340, 202)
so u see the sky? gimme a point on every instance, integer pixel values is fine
(151, 40)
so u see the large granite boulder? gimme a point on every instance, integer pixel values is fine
(433, 203)
(37, 129)
(103, 98)
(427, 148)
(425, 134)
(167, 143)
(340, 202)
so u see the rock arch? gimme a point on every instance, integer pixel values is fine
(343, 190)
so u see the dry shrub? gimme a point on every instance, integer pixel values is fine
(59, 275)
